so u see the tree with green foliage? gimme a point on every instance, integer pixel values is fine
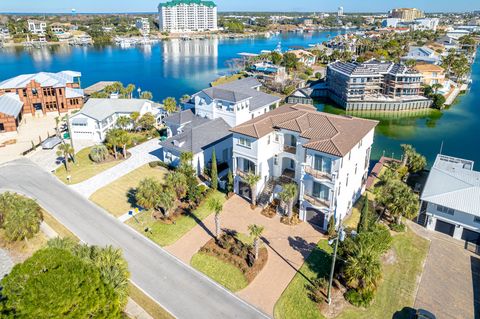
(147, 121)
(229, 182)
(186, 168)
(66, 150)
(20, 216)
(363, 268)
(252, 179)
(256, 232)
(413, 160)
(365, 218)
(288, 195)
(134, 116)
(54, 283)
(146, 95)
(214, 204)
(113, 140)
(438, 101)
(147, 192)
(290, 61)
(98, 153)
(178, 182)
(398, 199)
(185, 98)
(166, 200)
(276, 57)
(124, 122)
(123, 139)
(214, 172)
(170, 105)
(331, 226)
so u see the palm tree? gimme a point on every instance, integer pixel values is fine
(436, 86)
(170, 105)
(113, 140)
(123, 138)
(134, 116)
(124, 122)
(166, 200)
(215, 205)
(363, 268)
(288, 195)
(66, 150)
(98, 153)
(178, 182)
(22, 222)
(147, 193)
(146, 95)
(256, 232)
(129, 91)
(251, 179)
(185, 98)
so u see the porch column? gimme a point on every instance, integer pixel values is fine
(457, 233)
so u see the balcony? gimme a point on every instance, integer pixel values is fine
(318, 174)
(316, 201)
(290, 149)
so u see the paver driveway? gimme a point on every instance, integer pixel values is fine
(288, 247)
(450, 284)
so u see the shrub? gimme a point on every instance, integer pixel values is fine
(317, 289)
(360, 298)
(399, 228)
(98, 153)
(236, 250)
(318, 75)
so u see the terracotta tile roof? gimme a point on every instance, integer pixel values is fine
(328, 133)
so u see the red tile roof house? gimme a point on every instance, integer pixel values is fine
(326, 155)
(39, 93)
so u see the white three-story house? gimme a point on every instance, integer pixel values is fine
(326, 155)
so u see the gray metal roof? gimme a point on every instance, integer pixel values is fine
(100, 109)
(196, 139)
(226, 95)
(10, 104)
(180, 118)
(453, 183)
(242, 84)
(59, 79)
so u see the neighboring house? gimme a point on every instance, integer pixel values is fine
(422, 54)
(432, 74)
(43, 92)
(143, 24)
(187, 16)
(201, 138)
(326, 155)
(236, 102)
(176, 123)
(451, 199)
(37, 27)
(375, 85)
(448, 42)
(98, 116)
(10, 112)
(269, 71)
(304, 57)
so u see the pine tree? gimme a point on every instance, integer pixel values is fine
(331, 226)
(229, 182)
(364, 223)
(214, 173)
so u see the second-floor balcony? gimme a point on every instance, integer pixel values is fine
(318, 202)
(317, 173)
(290, 149)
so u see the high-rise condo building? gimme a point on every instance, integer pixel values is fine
(187, 16)
(407, 14)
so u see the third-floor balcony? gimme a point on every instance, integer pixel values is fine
(317, 173)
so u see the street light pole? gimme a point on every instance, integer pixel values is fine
(332, 269)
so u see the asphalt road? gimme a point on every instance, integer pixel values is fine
(182, 291)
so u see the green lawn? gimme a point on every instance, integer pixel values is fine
(115, 196)
(395, 291)
(83, 168)
(222, 272)
(164, 234)
(227, 79)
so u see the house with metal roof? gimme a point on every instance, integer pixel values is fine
(451, 199)
(236, 102)
(422, 54)
(200, 137)
(326, 155)
(10, 112)
(98, 116)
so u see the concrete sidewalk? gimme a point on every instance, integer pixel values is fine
(140, 155)
(288, 247)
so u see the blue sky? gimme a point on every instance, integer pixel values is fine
(47, 6)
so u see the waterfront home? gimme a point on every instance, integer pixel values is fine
(98, 116)
(422, 54)
(201, 137)
(44, 92)
(305, 57)
(37, 27)
(326, 155)
(451, 199)
(143, 24)
(187, 16)
(432, 74)
(375, 85)
(236, 102)
(269, 71)
(10, 112)
(176, 123)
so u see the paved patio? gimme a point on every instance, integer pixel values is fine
(450, 283)
(288, 246)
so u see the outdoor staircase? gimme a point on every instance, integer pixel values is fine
(266, 193)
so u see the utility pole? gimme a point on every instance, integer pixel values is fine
(332, 269)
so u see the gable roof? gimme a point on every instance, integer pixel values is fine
(180, 118)
(10, 104)
(453, 183)
(100, 109)
(196, 138)
(328, 133)
(233, 96)
(45, 79)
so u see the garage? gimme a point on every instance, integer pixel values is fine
(315, 217)
(444, 227)
(471, 236)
